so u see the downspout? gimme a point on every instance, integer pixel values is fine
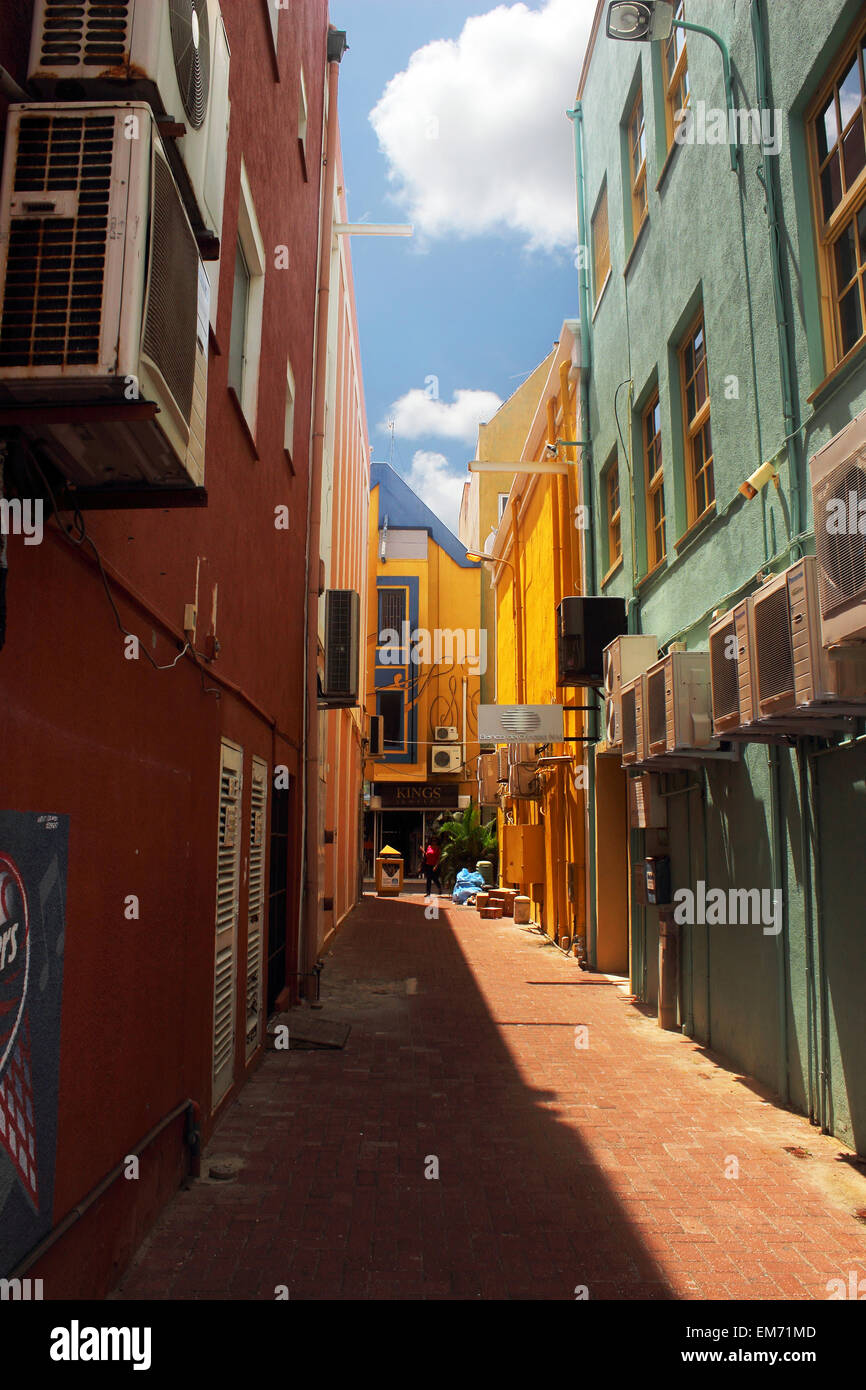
(575, 115)
(781, 935)
(309, 918)
(576, 118)
(786, 361)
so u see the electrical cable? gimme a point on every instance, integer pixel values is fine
(83, 538)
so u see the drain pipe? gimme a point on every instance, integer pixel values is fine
(308, 922)
(787, 367)
(192, 1138)
(575, 115)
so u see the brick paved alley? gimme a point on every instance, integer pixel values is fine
(559, 1166)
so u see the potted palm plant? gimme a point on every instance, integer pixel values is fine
(464, 841)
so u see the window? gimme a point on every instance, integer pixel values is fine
(700, 487)
(289, 430)
(240, 309)
(838, 139)
(614, 515)
(503, 503)
(653, 472)
(248, 297)
(391, 710)
(600, 245)
(637, 164)
(392, 610)
(676, 75)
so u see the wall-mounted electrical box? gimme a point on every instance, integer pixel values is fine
(523, 853)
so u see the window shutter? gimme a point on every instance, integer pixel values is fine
(227, 898)
(256, 904)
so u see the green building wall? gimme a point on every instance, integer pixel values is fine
(787, 1009)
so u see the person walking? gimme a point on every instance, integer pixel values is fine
(431, 866)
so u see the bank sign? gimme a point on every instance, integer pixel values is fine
(33, 852)
(417, 796)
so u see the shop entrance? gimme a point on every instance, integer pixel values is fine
(405, 831)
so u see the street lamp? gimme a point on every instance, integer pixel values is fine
(639, 20)
(652, 20)
(480, 556)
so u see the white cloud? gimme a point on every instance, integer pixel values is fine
(430, 476)
(475, 131)
(418, 414)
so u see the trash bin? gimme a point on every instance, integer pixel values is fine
(485, 868)
(389, 872)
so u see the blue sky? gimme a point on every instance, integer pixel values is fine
(478, 155)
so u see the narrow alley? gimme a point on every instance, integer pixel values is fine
(582, 1151)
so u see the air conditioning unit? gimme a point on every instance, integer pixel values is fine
(342, 645)
(172, 54)
(678, 704)
(794, 673)
(584, 627)
(524, 783)
(732, 671)
(446, 758)
(488, 779)
(632, 714)
(446, 733)
(103, 297)
(521, 754)
(839, 503)
(502, 761)
(624, 659)
(648, 809)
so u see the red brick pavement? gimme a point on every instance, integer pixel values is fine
(559, 1166)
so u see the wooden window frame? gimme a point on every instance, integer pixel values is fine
(829, 230)
(637, 176)
(673, 80)
(613, 513)
(599, 274)
(656, 536)
(693, 427)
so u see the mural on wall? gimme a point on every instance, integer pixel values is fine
(33, 857)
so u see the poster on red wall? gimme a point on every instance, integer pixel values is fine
(33, 858)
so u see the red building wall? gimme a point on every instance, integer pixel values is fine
(132, 755)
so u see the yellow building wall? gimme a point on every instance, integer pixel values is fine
(544, 556)
(448, 598)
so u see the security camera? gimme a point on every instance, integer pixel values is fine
(551, 449)
(761, 476)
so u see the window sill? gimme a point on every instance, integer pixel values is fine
(236, 401)
(617, 565)
(696, 528)
(607, 280)
(655, 573)
(669, 159)
(853, 358)
(637, 241)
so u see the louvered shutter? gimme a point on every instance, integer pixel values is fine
(227, 898)
(256, 904)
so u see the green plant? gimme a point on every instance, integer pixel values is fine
(464, 842)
